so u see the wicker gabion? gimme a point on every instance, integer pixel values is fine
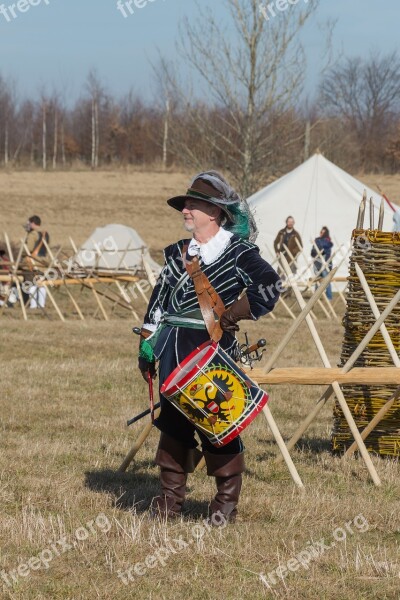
(378, 255)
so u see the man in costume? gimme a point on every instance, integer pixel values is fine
(221, 225)
(288, 242)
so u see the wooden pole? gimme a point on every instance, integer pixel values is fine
(375, 311)
(72, 299)
(54, 303)
(138, 444)
(296, 324)
(15, 277)
(324, 376)
(281, 445)
(335, 386)
(74, 302)
(325, 266)
(121, 294)
(361, 211)
(371, 214)
(375, 421)
(349, 364)
(100, 304)
(395, 357)
(286, 307)
(381, 215)
(307, 421)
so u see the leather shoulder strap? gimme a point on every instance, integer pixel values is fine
(209, 300)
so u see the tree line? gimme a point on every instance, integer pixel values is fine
(246, 115)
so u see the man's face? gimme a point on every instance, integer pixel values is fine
(290, 223)
(198, 215)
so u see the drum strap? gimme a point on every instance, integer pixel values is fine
(210, 302)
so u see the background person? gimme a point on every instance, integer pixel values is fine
(37, 249)
(289, 237)
(322, 267)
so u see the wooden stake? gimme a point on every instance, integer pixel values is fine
(281, 445)
(349, 364)
(54, 303)
(307, 421)
(395, 357)
(375, 311)
(381, 215)
(286, 307)
(336, 387)
(16, 280)
(296, 324)
(117, 283)
(75, 304)
(375, 421)
(371, 214)
(361, 211)
(101, 307)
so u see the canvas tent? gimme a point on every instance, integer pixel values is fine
(316, 194)
(115, 247)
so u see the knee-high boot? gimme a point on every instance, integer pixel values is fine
(175, 461)
(227, 470)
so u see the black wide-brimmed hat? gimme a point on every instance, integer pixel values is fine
(202, 189)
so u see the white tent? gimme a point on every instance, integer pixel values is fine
(115, 247)
(316, 194)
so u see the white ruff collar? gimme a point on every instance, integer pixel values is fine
(211, 250)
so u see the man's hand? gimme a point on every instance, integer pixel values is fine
(145, 367)
(238, 311)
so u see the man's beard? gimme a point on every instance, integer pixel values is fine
(189, 226)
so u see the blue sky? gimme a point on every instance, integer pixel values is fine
(58, 41)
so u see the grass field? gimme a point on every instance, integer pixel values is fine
(71, 526)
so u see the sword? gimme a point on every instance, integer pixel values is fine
(142, 415)
(249, 354)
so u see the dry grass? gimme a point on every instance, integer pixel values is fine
(66, 391)
(74, 203)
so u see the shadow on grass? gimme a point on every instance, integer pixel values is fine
(314, 445)
(135, 489)
(132, 489)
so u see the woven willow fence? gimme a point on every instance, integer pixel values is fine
(378, 255)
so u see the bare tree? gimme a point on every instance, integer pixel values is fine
(8, 107)
(96, 92)
(44, 105)
(165, 94)
(365, 94)
(252, 78)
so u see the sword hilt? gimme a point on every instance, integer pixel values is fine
(254, 347)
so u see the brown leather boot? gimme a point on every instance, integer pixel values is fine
(227, 470)
(175, 461)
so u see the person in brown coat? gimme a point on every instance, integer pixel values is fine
(289, 239)
(35, 243)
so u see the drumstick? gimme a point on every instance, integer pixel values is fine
(151, 395)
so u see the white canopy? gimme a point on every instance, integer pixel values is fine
(316, 194)
(115, 247)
